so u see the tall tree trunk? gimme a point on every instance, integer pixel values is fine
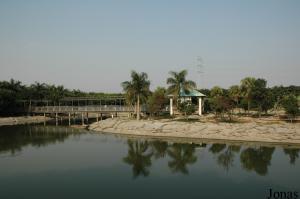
(248, 106)
(237, 106)
(138, 108)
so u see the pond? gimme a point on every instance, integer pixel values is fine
(60, 162)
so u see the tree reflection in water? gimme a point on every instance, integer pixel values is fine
(226, 158)
(182, 155)
(257, 159)
(293, 154)
(139, 157)
(217, 148)
(159, 149)
(226, 154)
(13, 139)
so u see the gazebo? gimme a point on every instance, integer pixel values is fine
(191, 96)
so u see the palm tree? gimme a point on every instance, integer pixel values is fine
(39, 91)
(235, 94)
(247, 85)
(137, 89)
(56, 93)
(10, 93)
(178, 81)
(216, 91)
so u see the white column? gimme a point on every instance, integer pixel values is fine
(200, 105)
(171, 106)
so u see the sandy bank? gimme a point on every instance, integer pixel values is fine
(22, 120)
(280, 132)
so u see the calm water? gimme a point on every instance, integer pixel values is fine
(50, 162)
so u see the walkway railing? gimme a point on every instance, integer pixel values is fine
(70, 109)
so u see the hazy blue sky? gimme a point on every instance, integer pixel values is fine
(93, 45)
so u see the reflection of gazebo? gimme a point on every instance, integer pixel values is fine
(193, 96)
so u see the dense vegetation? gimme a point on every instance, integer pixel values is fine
(12, 93)
(252, 95)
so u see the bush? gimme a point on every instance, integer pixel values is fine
(157, 101)
(223, 105)
(186, 108)
(244, 104)
(291, 107)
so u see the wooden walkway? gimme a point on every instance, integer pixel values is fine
(82, 112)
(82, 109)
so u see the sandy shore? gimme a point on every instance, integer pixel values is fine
(253, 131)
(22, 120)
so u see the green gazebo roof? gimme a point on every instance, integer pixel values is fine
(191, 93)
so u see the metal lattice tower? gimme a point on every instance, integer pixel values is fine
(200, 69)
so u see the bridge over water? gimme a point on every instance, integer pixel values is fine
(83, 107)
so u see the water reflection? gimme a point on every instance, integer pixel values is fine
(252, 159)
(257, 159)
(217, 148)
(182, 155)
(225, 154)
(13, 139)
(142, 154)
(292, 153)
(139, 157)
(226, 158)
(159, 149)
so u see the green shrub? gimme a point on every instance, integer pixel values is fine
(186, 108)
(291, 107)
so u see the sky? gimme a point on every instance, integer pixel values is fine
(93, 45)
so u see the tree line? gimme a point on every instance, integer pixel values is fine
(252, 94)
(13, 92)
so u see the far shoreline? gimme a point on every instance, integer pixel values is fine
(19, 120)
